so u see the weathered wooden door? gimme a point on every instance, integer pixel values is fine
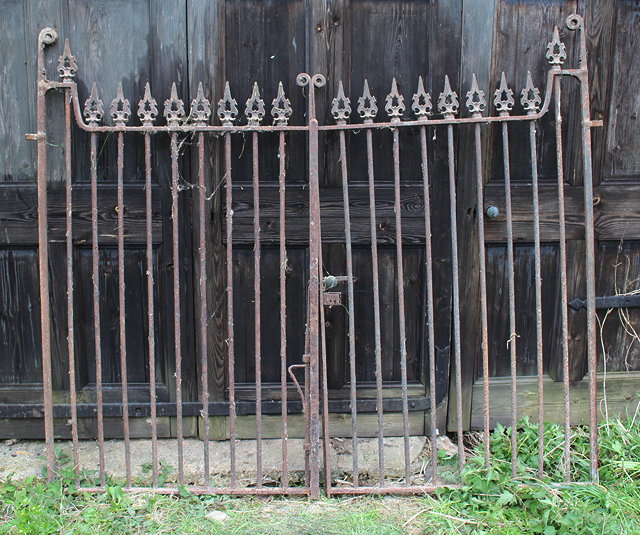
(379, 42)
(616, 233)
(138, 28)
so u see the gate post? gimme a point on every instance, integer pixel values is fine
(576, 23)
(47, 36)
(313, 328)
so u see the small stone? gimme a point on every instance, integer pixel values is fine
(443, 442)
(217, 516)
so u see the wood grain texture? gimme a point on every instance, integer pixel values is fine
(478, 26)
(246, 41)
(623, 403)
(621, 160)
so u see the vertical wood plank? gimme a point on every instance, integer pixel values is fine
(205, 37)
(478, 24)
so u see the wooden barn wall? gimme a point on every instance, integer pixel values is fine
(188, 41)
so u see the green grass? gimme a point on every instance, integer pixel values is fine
(488, 501)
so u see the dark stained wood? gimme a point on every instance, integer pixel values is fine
(600, 23)
(18, 215)
(247, 41)
(17, 158)
(478, 27)
(621, 159)
(205, 36)
(615, 215)
(618, 269)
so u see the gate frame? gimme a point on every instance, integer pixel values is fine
(315, 391)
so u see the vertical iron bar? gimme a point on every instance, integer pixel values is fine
(230, 335)
(538, 288)
(305, 400)
(456, 294)
(325, 387)
(47, 36)
(430, 315)
(563, 282)
(512, 298)
(256, 283)
(400, 281)
(151, 341)
(95, 261)
(484, 328)
(204, 353)
(376, 303)
(176, 302)
(283, 310)
(70, 315)
(314, 297)
(589, 266)
(350, 307)
(121, 311)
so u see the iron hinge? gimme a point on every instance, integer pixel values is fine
(608, 301)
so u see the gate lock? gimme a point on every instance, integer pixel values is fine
(331, 299)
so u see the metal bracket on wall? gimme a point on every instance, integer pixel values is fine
(608, 301)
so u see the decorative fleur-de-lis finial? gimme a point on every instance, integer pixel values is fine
(255, 107)
(421, 102)
(394, 104)
(367, 107)
(530, 96)
(120, 109)
(174, 108)
(147, 107)
(448, 100)
(200, 108)
(93, 109)
(227, 107)
(475, 98)
(67, 64)
(341, 106)
(504, 97)
(556, 51)
(281, 107)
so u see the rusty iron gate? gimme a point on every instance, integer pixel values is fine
(314, 400)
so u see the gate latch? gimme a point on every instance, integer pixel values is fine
(608, 301)
(331, 299)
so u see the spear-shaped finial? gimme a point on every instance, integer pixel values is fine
(147, 107)
(556, 51)
(448, 100)
(255, 107)
(200, 108)
(227, 107)
(341, 106)
(394, 103)
(67, 64)
(367, 107)
(503, 100)
(93, 108)
(174, 108)
(281, 107)
(530, 96)
(120, 109)
(421, 102)
(476, 102)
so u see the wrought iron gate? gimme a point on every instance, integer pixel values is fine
(323, 288)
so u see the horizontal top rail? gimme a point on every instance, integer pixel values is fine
(198, 119)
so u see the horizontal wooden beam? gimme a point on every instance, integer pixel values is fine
(19, 214)
(621, 399)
